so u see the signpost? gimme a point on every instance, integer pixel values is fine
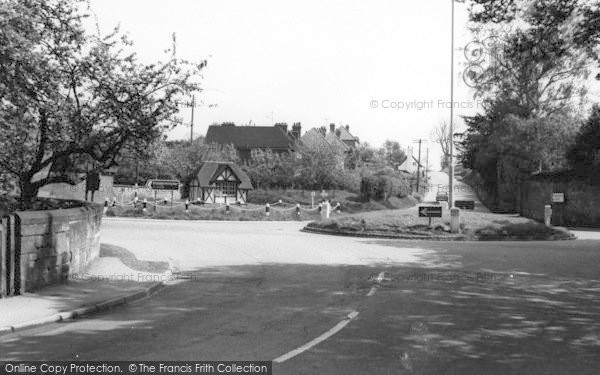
(163, 185)
(558, 197)
(430, 211)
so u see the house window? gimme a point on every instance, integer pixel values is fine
(226, 188)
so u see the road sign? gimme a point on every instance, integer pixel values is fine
(430, 211)
(164, 184)
(558, 197)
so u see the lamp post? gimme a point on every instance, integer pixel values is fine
(451, 167)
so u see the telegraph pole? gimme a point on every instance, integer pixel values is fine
(427, 165)
(193, 105)
(419, 141)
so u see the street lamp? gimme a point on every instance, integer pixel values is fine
(451, 167)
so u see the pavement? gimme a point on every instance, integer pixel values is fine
(108, 282)
(330, 305)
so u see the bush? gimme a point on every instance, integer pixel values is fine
(383, 185)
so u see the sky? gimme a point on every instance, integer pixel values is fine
(382, 67)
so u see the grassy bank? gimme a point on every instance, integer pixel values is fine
(474, 226)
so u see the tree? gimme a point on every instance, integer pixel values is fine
(538, 59)
(535, 85)
(440, 135)
(67, 97)
(584, 154)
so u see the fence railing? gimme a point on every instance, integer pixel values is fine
(8, 257)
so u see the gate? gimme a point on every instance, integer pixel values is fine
(9, 278)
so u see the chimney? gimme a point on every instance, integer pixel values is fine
(347, 127)
(332, 128)
(296, 131)
(282, 126)
(323, 130)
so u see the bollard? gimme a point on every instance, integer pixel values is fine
(298, 209)
(114, 202)
(105, 205)
(454, 220)
(267, 209)
(165, 200)
(144, 205)
(187, 206)
(227, 207)
(547, 214)
(320, 207)
(327, 209)
(135, 200)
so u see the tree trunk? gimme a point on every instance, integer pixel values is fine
(29, 192)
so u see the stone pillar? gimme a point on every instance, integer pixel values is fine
(454, 220)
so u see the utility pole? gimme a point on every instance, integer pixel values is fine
(193, 105)
(427, 166)
(419, 141)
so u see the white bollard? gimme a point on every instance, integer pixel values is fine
(547, 214)
(454, 220)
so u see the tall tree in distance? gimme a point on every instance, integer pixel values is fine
(440, 135)
(67, 97)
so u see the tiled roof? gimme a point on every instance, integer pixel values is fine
(345, 134)
(209, 169)
(249, 137)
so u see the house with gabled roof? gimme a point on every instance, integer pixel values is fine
(220, 182)
(247, 138)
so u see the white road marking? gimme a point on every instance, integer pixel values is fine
(374, 288)
(338, 327)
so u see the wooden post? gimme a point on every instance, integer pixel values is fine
(12, 256)
(3, 254)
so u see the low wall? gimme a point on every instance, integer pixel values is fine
(581, 206)
(56, 244)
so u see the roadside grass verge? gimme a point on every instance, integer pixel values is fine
(478, 226)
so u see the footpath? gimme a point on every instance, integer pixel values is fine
(115, 278)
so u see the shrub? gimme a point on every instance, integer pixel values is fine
(383, 185)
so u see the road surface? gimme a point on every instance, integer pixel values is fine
(260, 290)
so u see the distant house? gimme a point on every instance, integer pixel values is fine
(220, 182)
(248, 138)
(411, 164)
(343, 134)
(339, 138)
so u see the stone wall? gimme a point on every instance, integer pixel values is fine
(582, 199)
(56, 244)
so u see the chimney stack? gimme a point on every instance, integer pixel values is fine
(347, 127)
(332, 128)
(296, 130)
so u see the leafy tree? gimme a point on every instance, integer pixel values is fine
(67, 97)
(532, 91)
(584, 154)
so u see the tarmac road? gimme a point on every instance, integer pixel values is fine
(258, 290)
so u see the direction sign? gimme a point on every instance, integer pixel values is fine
(164, 184)
(558, 197)
(430, 211)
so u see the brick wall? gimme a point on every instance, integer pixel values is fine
(56, 244)
(582, 200)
